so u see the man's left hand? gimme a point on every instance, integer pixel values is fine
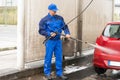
(67, 36)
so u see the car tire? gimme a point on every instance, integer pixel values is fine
(99, 70)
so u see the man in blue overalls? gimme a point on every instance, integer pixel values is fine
(47, 27)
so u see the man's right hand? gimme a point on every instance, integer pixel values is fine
(53, 34)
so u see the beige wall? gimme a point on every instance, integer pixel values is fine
(95, 19)
(34, 11)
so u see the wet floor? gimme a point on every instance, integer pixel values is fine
(81, 75)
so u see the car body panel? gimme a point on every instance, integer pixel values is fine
(101, 58)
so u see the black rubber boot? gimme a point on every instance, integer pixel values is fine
(63, 77)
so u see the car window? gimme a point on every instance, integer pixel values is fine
(112, 31)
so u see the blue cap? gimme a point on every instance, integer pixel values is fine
(52, 7)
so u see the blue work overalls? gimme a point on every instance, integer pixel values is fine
(47, 25)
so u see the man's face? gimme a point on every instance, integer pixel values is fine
(52, 12)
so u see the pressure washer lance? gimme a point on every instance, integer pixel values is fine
(77, 39)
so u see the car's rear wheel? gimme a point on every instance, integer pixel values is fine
(99, 70)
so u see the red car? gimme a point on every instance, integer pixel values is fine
(108, 58)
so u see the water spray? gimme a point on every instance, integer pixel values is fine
(104, 49)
